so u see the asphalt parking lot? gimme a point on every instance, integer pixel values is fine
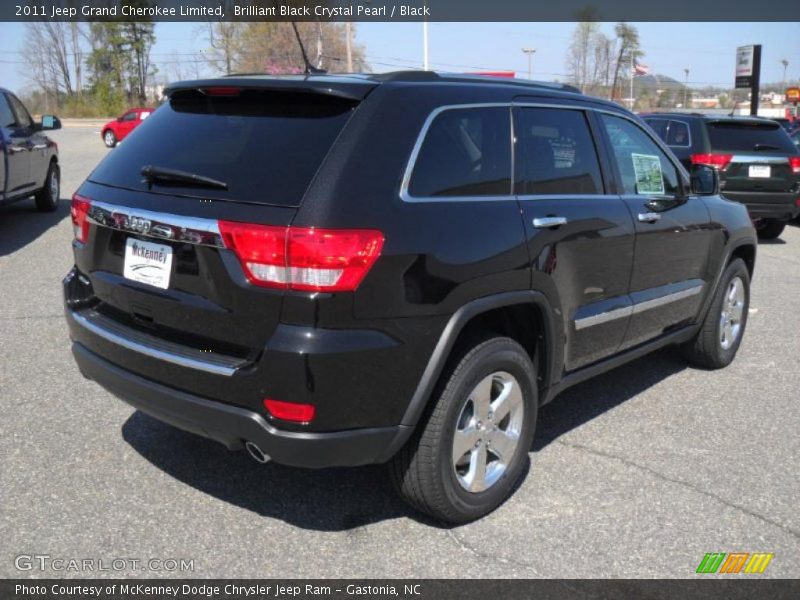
(637, 473)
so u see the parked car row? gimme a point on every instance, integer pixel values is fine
(757, 161)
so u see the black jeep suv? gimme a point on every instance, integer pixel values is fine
(343, 270)
(758, 164)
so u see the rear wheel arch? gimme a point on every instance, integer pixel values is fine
(497, 315)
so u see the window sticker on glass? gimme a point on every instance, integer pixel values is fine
(647, 168)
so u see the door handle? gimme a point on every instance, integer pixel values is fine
(546, 222)
(649, 217)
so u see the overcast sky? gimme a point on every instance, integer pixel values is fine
(706, 49)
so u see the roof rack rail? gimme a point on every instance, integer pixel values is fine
(423, 76)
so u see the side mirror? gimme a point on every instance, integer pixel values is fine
(50, 122)
(704, 180)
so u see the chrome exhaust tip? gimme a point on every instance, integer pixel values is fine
(256, 452)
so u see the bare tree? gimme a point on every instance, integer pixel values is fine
(581, 56)
(223, 37)
(47, 57)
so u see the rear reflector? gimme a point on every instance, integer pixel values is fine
(79, 212)
(290, 411)
(720, 161)
(303, 258)
(794, 163)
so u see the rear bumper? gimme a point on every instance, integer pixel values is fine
(767, 205)
(233, 425)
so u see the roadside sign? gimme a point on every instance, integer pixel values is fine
(745, 66)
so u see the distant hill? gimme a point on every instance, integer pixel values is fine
(655, 82)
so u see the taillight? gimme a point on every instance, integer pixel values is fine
(303, 258)
(79, 212)
(290, 411)
(794, 163)
(221, 91)
(720, 161)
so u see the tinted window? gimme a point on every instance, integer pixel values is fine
(129, 116)
(23, 118)
(466, 152)
(557, 154)
(747, 137)
(659, 126)
(267, 146)
(7, 118)
(678, 134)
(644, 168)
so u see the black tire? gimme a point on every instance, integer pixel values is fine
(424, 471)
(708, 348)
(769, 229)
(47, 197)
(109, 139)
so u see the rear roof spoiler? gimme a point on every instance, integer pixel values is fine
(355, 89)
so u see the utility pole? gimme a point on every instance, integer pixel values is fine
(685, 87)
(785, 64)
(530, 52)
(348, 31)
(633, 70)
(425, 44)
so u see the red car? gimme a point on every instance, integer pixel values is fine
(115, 131)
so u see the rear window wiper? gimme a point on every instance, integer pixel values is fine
(161, 174)
(766, 147)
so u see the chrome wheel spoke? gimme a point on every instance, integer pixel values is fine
(465, 441)
(476, 475)
(736, 312)
(509, 398)
(482, 398)
(503, 444)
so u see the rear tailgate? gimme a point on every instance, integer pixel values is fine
(156, 283)
(760, 158)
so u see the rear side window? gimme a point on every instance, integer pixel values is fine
(265, 145)
(678, 134)
(557, 154)
(749, 137)
(673, 133)
(466, 152)
(659, 126)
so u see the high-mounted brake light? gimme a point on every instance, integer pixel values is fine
(290, 411)
(303, 258)
(720, 161)
(794, 164)
(221, 91)
(79, 212)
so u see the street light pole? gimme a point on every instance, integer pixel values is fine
(685, 87)
(530, 52)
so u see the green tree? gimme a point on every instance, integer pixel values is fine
(628, 51)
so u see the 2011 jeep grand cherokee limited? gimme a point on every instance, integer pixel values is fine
(402, 268)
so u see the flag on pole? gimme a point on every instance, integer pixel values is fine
(640, 69)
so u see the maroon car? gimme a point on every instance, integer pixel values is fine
(115, 131)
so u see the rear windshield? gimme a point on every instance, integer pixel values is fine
(265, 145)
(749, 137)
